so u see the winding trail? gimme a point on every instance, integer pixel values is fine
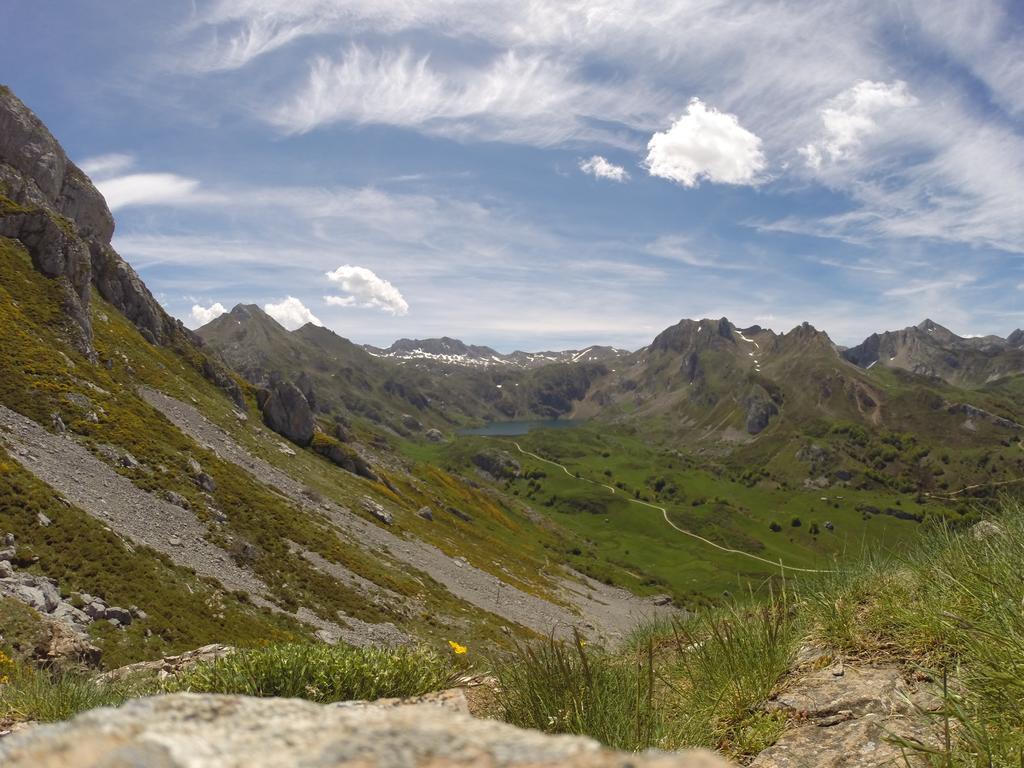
(972, 487)
(664, 514)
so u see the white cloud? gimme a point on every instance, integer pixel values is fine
(852, 116)
(601, 168)
(147, 189)
(366, 289)
(203, 315)
(705, 144)
(291, 313)
(107, 165)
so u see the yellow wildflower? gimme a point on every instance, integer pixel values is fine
(457, 649)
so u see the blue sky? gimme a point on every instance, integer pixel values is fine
(549, 173)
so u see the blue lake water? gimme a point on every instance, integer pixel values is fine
(511, 428)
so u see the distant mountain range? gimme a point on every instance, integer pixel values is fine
(448, 351)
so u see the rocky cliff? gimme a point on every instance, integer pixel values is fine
(50, 206)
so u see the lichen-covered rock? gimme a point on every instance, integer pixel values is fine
(287, 413)
(202, 731)
(169, 666)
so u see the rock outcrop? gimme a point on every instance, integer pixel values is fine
(287, 412)
(199, 731)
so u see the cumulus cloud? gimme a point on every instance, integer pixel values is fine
(852, 116)
(366, 289)
(705, 144)
(291, 313)
(601, 168)
(202, 315)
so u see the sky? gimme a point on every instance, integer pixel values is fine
(546, 174)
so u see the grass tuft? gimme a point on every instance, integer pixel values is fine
(321, 673)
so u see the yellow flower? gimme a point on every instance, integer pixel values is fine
(457, 649)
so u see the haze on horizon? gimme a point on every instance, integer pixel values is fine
(549, 175)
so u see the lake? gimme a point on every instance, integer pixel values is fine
(511, 428)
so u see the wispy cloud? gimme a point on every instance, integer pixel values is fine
(123, 190)
(852, 116)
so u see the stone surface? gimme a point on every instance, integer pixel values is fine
(859, 691)
(193, 731)
(850, 717)
(453, 700)
(868, 742)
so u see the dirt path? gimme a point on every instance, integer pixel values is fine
(605, 613)
(664, 514)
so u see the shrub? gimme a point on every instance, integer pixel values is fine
(796, 522)
(321, 673)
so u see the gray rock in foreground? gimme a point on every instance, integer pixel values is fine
(194, 731)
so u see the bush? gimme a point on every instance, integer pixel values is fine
(796, 522)
(321, 673)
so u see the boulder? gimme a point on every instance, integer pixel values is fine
(987, 529)
(205, 482)
(434, 435)
(377, 511)
(121, 615)
(287, 412)
(426, 513)
(207, 731)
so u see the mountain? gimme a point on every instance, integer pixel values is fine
(446, 351)
(929, 349)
